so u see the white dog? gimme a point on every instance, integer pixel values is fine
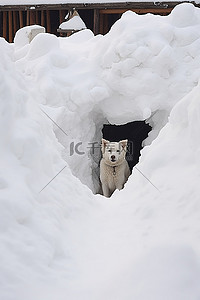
(114, 169)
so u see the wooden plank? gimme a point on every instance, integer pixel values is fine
(28, 18)
(15, 21)
(43, 23)
(5, 18)
(101, 25)
(32, 17)
(136, 10)
(62, 14)
(96, 21)
(21, 20)
(106, 28)
(10, 27)
(83, 5)
(1, 23)
(48, 21)
(37, 17)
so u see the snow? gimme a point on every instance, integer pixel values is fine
(26, 34)
(75, 23)
(60, 240)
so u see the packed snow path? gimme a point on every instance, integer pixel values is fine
(58, 239)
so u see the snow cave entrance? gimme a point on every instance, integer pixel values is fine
(136, 132)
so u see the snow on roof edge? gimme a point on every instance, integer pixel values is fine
(59, 2)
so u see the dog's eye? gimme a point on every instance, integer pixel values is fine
(117, 150)
(110, 151)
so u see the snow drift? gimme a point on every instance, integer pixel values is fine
(59, 240)
(142, 67)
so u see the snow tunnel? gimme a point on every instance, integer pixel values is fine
(136, 132)
(85, 163)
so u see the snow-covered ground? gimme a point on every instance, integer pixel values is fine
(58, 240)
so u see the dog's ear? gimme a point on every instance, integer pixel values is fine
(103, 145)
(124, 144)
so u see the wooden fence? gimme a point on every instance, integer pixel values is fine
(11, 21)
(98, 17)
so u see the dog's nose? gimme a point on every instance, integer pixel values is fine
(113, 157)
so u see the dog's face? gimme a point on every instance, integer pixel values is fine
(114, 152)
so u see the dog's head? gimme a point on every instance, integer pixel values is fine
(114, 152)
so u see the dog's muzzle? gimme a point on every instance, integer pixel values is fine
(113, 159)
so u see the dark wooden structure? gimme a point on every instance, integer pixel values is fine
(98, 17)
(65, 32)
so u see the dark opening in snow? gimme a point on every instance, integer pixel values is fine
(135, 132)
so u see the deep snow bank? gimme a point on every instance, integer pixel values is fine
(31, 223)
(142, 67)
(147, 236)
(163, 208)
(143, 243)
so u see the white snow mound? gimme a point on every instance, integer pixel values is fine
(75, 23)
(60, 240)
